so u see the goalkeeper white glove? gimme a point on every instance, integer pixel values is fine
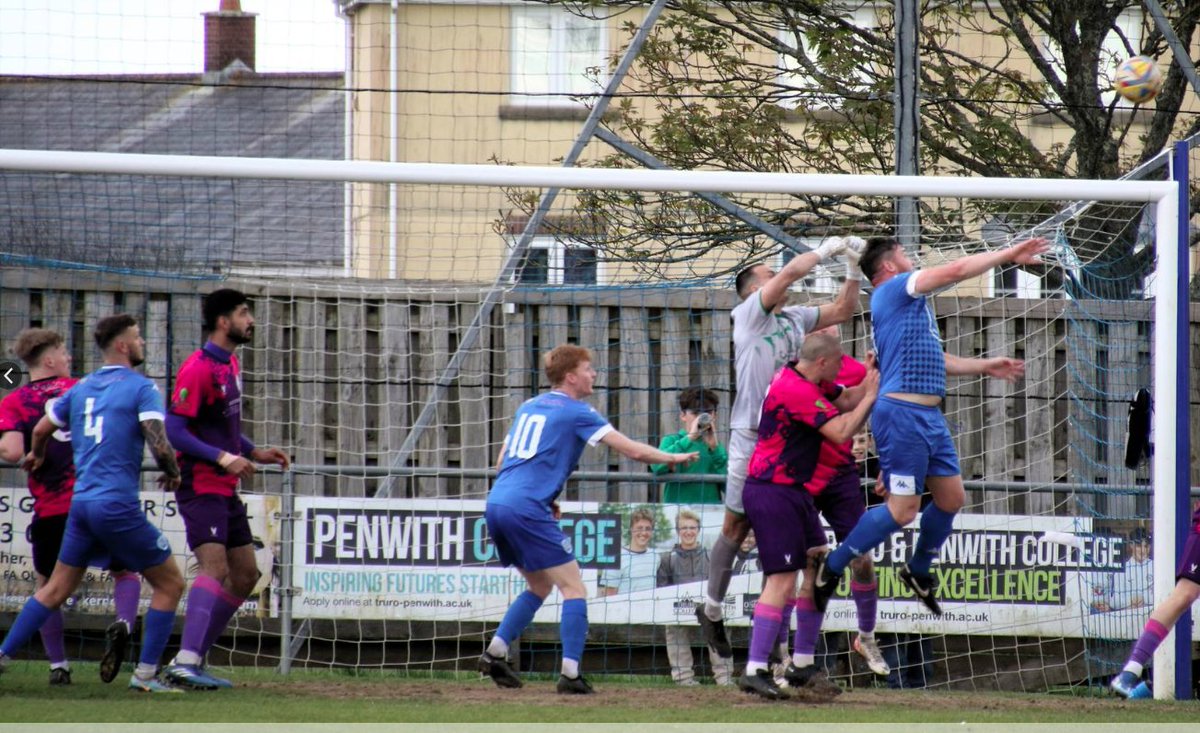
(854, 251)
(855, 246)
(831, 247)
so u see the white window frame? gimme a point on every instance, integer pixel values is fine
(1131, 22)
(556, 260)
(864, 16)
(1028, 286)
(554, 87)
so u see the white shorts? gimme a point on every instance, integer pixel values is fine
(741, 447)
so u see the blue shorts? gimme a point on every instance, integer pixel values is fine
(45, 535)
(99, 529)
(913, 442)
(527, 539)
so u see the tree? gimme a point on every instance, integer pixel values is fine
(798, 85)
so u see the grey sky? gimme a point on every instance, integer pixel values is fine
(159, 36)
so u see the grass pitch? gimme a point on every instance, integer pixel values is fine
(261, 696)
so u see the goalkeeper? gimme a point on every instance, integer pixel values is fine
(767, 333)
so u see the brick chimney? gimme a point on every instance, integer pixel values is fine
(228, 37)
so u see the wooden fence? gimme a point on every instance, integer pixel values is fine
(337, 373)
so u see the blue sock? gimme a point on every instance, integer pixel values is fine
(156, 630)
(936, 526)
(31, 618)
(872, 529)
(573, 628)
(518, 616)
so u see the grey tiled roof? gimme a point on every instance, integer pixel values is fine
(164, 224)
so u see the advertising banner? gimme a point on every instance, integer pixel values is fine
(433, 560)
(95, 593)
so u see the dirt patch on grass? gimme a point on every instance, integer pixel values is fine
(465, 694)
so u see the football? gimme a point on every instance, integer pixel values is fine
(1138, 79)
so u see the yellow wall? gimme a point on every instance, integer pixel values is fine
(449, 233)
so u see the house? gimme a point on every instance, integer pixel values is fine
(504, 81)
(194, 227)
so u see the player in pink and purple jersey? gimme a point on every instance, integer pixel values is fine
(804, 446)
(49, 363)
(842, 503)
(205, 425)
(1187, 589)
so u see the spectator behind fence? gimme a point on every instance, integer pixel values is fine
(746, 560)
(638, 563)
(1133, 586)
(697, 413)
(687, 562)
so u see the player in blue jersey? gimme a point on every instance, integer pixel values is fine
(111, 414)
(541, 450)
(911, 435)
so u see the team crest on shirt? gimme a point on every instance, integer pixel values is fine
(183, 395)
(822, 405)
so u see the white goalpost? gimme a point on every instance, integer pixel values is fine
(345, 365)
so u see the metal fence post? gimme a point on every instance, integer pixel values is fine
(287, 519)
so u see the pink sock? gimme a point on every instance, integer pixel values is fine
(223, 609)
(808, 627)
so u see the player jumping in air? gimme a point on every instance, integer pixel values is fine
(913, 440)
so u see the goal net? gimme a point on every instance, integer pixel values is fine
(393, 393)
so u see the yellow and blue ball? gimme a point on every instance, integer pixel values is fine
(1138, 79)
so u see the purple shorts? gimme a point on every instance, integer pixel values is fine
(785, 525)
(45, 536)
(1189, 559)
(214, 518)
(842, 503)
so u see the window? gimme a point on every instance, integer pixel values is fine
(820, 279)
(1127, 28)
(1013, 282)
(552, 261)
(807, 90)
(555, 55)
